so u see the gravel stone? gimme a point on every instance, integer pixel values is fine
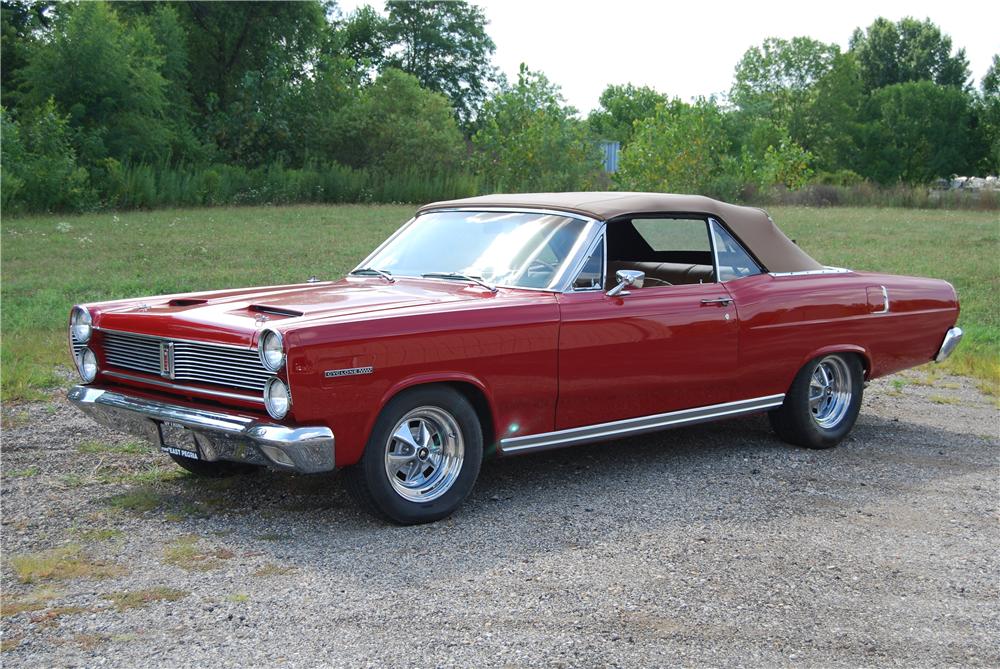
(711, 545)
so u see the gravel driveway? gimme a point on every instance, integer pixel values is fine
(713, 545)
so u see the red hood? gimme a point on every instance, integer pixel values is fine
(235, 317)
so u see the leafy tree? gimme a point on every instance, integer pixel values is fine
(529, 140)
(829, 124)
(776, 81)
(909, 50)
(917, 131)
(621, 107)
(988, 111)
(445, 46)
(107, 77)
(40, 170)
(21, 22)
(363, 37)
(228, 40)
(680, 149)
(398, 126)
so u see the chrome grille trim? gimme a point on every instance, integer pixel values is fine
(213, 364)
(76, 345)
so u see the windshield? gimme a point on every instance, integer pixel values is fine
(502, 248)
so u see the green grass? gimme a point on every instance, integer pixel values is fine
(62, 563)
(51, 262)
(139, 598)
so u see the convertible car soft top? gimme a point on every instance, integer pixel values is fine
(753, 226)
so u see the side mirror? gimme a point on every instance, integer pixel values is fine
(627, 278)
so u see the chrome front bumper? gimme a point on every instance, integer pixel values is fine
(218, 436)
(951, 339)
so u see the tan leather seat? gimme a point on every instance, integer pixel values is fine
(674, 273)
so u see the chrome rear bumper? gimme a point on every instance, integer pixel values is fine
(951, 339)
(219, 436)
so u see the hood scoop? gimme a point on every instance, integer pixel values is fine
(185, 302)
(274, 311)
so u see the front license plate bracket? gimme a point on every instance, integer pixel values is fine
(176, 439)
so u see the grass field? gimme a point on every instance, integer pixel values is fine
(52, 262)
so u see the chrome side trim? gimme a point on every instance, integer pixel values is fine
(632, 426)
(191, 389)
(186, 341)
(825, 270)
(216, 435)
(951, 340)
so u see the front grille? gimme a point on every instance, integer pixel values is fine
(202, 363)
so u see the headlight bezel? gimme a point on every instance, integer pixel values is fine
(82, 364)
(81, 318)
(267, 398)
(267, 336)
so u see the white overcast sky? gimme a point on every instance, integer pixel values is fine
(690, 49)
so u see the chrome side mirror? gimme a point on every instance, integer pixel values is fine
(627, 278)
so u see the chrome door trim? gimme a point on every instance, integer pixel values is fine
(191, 389)
(809, 272)
(631, 426)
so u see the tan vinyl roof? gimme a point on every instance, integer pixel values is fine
(752, 226)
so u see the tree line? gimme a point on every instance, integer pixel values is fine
(141, 104)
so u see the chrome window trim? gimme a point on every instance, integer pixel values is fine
(186, 341)
(558, 283)
(640, 425)
(713, 223)
(192, 389)
(715, 249)
(602, 238)
(809, 272)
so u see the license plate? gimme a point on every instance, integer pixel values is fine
(176, 439)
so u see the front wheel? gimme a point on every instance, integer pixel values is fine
(822, 403)
(422, 458)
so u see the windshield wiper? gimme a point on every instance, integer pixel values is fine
(375, 272)
(461, 277)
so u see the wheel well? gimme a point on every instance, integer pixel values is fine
(476, 398)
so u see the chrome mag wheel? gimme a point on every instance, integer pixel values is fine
(830, 392)
(424, 454)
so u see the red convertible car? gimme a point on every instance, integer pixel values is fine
(507, 324)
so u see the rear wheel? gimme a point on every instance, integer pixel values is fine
(213, 470)
(422, 458)
(822, 403)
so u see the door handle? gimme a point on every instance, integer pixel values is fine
(718, 300)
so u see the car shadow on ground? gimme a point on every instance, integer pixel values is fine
(574, 498)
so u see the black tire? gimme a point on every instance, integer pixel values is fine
(369, 480)
(798, 422)
(213, 470)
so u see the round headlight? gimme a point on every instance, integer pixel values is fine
(81, 324)
(272, 350)
(87, 365)
(277, 398)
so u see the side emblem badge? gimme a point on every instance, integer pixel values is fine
(353, 371)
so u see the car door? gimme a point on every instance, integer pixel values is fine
(657, 349)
